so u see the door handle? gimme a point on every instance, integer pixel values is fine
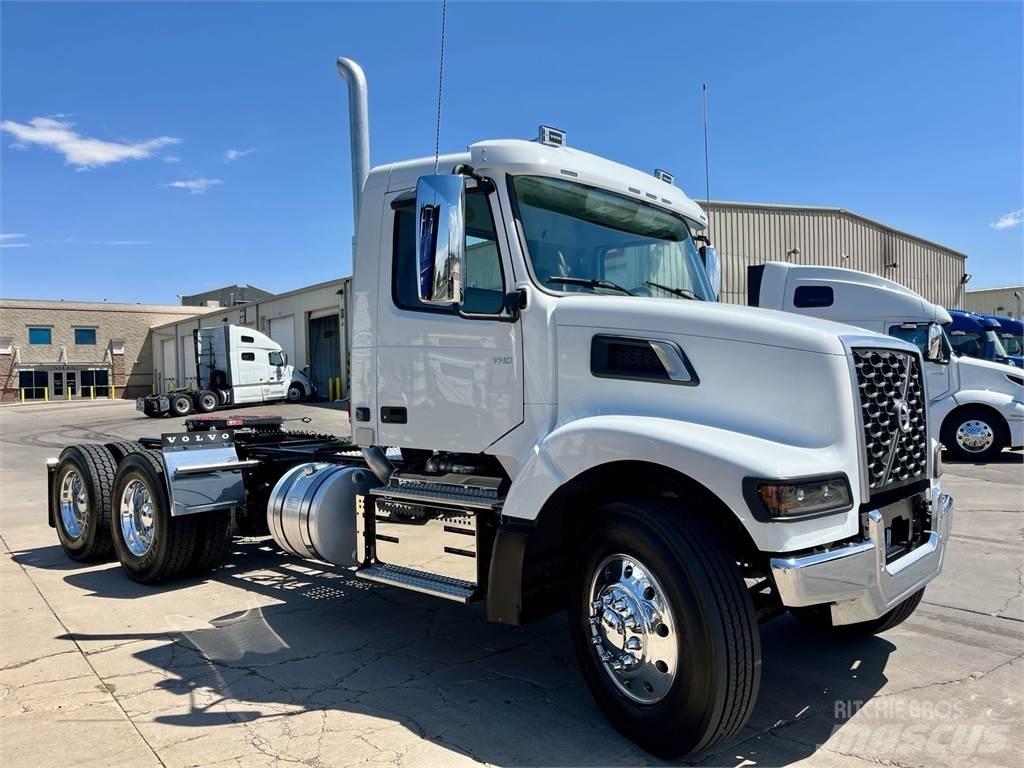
(390, 414)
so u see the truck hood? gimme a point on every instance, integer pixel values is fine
(766, 327)
(985, 374)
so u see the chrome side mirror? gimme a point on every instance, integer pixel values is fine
(441, 238)
(713, 268)
(936, 349)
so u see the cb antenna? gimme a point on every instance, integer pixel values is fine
(707, 174)
(440, 84)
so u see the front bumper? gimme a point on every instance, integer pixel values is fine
(855, 578)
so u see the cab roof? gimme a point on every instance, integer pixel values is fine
(519, 157)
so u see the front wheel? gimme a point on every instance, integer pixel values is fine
(295, 392)
(973, 434)
(664, 628)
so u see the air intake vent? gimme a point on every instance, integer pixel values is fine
(621, 357)
(895, 421)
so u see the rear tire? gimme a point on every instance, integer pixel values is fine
(207, 401)
(181, 405)
(151, 545)
(819, 618)
(121, 448)
(974, 434)
(651, 559)
(81, 492)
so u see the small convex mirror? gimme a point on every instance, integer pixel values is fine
(440, 238)
(713, 267)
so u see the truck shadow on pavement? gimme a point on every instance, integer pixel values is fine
(348, 655)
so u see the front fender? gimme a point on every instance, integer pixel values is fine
(1009, 407)
(717, 458)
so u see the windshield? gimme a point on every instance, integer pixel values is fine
(584, 239)
(1014, 345)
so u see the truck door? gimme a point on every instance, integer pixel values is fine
(250, 370)
(446, 381)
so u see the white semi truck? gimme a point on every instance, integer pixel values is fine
(550, 411)
(976, 406)
(235, 365)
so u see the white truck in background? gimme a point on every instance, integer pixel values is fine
(551, 411)
(975, 406)
(235, 365)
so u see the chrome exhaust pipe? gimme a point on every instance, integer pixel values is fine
(359, 129)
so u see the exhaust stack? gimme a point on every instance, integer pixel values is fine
(359, 129)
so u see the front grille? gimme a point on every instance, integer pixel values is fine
(895, 438)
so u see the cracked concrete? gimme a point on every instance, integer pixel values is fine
(273, 661)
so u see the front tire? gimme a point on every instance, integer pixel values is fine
(664, 628)
(296, 393)
(974, 434)
(81, 501)
(151, 545)
(819, 618)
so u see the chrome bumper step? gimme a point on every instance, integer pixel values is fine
(456, 590)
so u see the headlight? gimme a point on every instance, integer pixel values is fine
(781, 500)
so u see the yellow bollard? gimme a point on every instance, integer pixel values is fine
(330, 389)
(67, 393)
(46, 394)
(110, 391)
(92, 392)
(337, 388)
(23, 394)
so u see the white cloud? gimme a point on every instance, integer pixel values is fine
(1007, 220)
(119, 242)
(7, 237)
(195, 186)
(78, 150)
(171, 159)
(231, 155)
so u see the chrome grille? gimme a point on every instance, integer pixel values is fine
(895, 437)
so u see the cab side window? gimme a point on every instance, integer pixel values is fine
(484, 284)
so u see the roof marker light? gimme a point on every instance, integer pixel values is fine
(665, 176)
(552, 137)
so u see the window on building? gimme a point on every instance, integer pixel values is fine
(484, 286)
(34, 384)
(85, 336)
(98, 379)
(39, 336)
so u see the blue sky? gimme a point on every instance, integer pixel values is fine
(117, 184)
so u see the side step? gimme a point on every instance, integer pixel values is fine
(419, 581)
(439, 494)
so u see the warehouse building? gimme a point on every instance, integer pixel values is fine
(751, 233)
(308, 323)
(70, 350)
(1005, 302)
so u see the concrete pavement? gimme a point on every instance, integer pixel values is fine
(274, 661)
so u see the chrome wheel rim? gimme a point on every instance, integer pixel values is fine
(632, 629)
(294, 394)
(975, 436)
(74, 504)
(181, 406)
(137, 517)
(209, 402)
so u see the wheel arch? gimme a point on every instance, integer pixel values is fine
(998, 419)
(529, 575)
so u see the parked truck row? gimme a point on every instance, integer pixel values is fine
(235, 365)
(552, 412)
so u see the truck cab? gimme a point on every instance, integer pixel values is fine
(974, 335)
(1011, 335)
(976, 406)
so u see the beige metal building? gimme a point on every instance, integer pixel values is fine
(1006, 302)
(751, 233)
(78, 349)
(308, 323)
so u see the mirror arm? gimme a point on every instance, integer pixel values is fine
(464, 169)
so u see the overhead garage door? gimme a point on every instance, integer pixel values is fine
(324, 351)
(282, 330)
(169, 368)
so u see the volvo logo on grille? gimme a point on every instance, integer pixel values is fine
(902, 412)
